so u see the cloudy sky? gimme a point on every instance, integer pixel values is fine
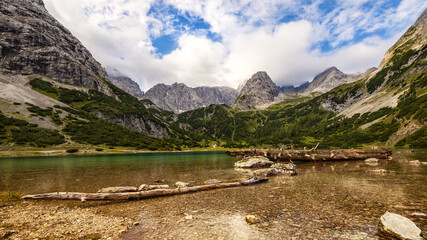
(223, 42)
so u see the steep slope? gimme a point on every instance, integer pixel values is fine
(257, 91)
(124, 82)
(33, 42)
(178, 97)
(332, 78)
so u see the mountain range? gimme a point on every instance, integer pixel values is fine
(53, 92)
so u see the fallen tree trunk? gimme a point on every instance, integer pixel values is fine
(313, 155)
(140, 195)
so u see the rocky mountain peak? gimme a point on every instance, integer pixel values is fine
(332, 78)
(257, 91)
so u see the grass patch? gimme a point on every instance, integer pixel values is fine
(10, 197)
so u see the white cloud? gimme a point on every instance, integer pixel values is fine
(117, 32)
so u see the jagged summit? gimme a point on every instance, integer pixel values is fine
(178, 97)
(332, 78)
(258, 90)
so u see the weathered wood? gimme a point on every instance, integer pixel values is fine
(313, 155)
(141, 194)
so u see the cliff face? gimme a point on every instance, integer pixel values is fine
(258, 90)
(33, 42)
(178, 97)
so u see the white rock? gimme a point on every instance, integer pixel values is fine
(212, 181)
(253, 162)
(252, 219)
(145, 187)
(393, 225)
(118, 189)
(182, 184)
(415, 162)
(371, 160)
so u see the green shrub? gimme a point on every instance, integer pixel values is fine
(72, 150)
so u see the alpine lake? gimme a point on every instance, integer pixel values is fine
(326, 200)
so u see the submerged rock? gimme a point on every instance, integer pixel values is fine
(415, 163)
(395, 226)
(182, 184)
(380, 171)
(212, 181)
(273, 172)
(145, 187)
(287, 166)
(253, 162)
(252, 219)
(118, 189)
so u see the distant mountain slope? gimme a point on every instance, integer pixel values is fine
(332, 78)
(124, 82)
(33, 42)
(178, 97)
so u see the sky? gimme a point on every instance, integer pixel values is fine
(224, 42)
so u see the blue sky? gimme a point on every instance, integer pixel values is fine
(223, 42)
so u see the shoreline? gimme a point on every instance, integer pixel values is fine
(90, 151)
(84, 150)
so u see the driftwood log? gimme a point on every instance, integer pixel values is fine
(313, 155)
(140, 195)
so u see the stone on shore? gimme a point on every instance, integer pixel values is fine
(212, 181)
(252, 219)
(253, 162)
(371, 160)
(395, 226)
(182, 184)
(118, 189)
(145, 187)
(415, 163)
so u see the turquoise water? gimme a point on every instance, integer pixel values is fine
(90, 173)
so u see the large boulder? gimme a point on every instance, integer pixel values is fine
(253, 162)
(118, 189)
(395, 226)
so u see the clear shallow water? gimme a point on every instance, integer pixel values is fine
(329, 200)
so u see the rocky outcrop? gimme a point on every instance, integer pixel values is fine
(124, 82)
(141, 125)
(332, 78)
(395, 226)
(257, 91)
(178, 97)
(33, 42)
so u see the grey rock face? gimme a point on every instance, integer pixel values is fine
(289, 89)
(258, 90)
(179, 98)
(33, 42)
(332, 78)
(124, 82)
(138, 124)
